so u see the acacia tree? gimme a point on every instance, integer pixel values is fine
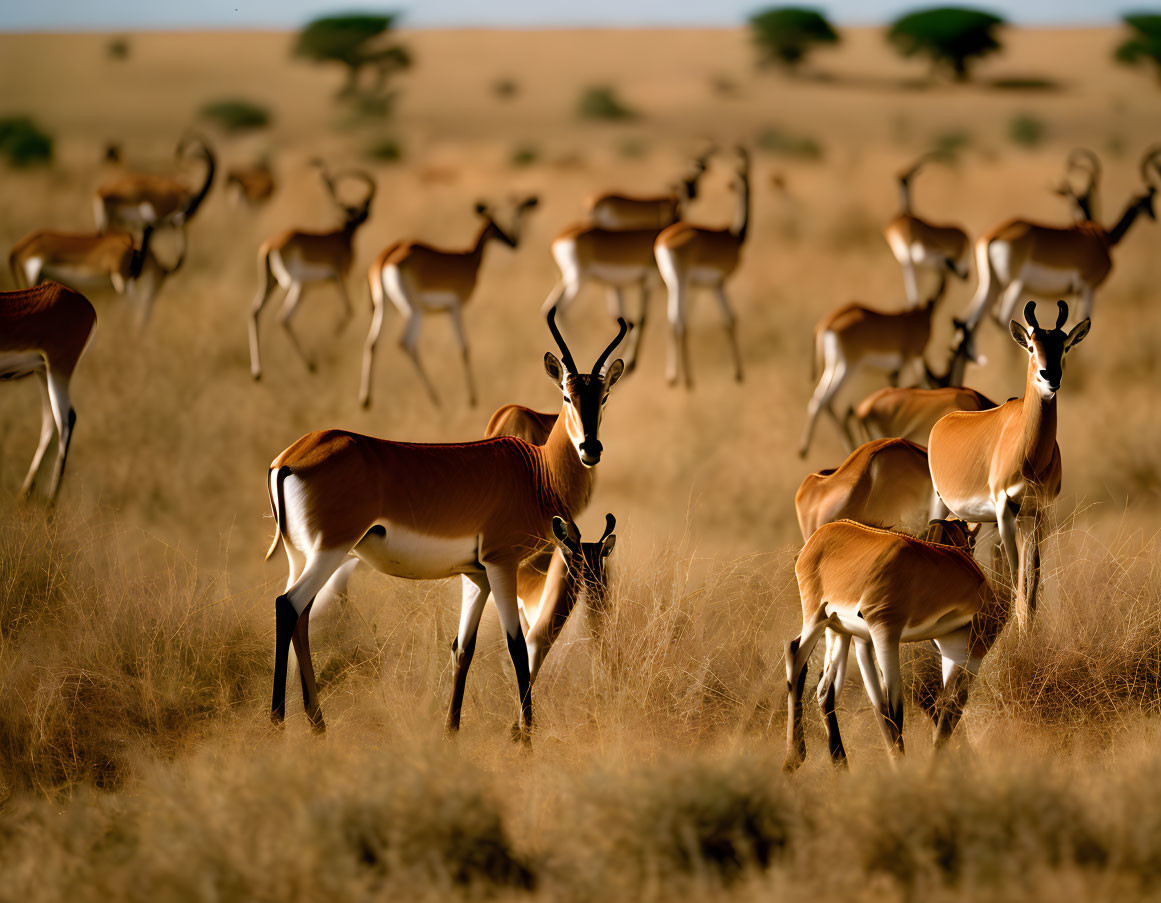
(786, 35)
(359, 41)
(952, 37)
(1144, 44)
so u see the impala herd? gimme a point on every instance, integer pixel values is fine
(888, 555)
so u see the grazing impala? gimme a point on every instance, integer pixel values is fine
(135, 200)
(884, 483)
(420, 279)
(916, 243)
(294, 259)
(881, 589)
(855, 336)
(1020, 256)
(690, 256)
(86, 258)
(476, 509)
(617, 211)
(1002, 466)
(253, 184)
(44, 331)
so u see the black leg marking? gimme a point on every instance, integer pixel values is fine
(519, 652)
(461, 661)
(285, 617)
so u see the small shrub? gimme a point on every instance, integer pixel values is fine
(602, 102)
(778, 141)
(949, 144)
(633, 148)
(524, 155)
(1144, 44)
(386, 150)
(1026, 130)
(505, 88)
(236, 115)
(724, 86)
(24, 143)
(117, 48)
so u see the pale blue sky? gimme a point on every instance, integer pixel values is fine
(102, 15)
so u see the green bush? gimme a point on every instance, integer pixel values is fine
(505, 88)
(951, 37)
(386, 150)
(24, 143)
(949, 144)
(602, 102)
(1144, 44)
(524, 155)
(1026, 130)
(358, 42)
(782, 143)
(118, 48)
(236, 115)
(786, 35)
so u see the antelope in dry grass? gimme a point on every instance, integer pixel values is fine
(136, 200)
(617, 211)
(253, 184)
(425, 512)
(884, 482)
(690, 256)
(1020, 256)
(881, 589)
(1002, 465)
(910, 413)
(420, 279)
(294, 259)
(85, 258)
(918, 244)
(43, 332)
(855, 336)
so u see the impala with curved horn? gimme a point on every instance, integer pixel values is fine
(420, 279)
(880, 589)
(86, 258)
(43, 332)
(134, 200)
(1085, 203)
(919, 244)
(690, 256)
(424, 512)
(884, 482)
(618, 211)
(1020, 256)
(855, 336)
(295, 258)
(1002, 465)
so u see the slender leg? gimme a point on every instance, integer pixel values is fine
(886, 646)
(457, 316)
(1028, 531)
(265, 286)
(475, 593)
(832, 380)
(1085, 305)
(954, 648)
(678, 363)
(910, 285)
(47, 431)
(66, 418)
(301, 639)
(797, 658)
(289, 308)
(348, 310)
(638, 332)
(616, 301)
(829, 688)
(1009, 300)
(731, 324)
(502, 578)
(1006, 524)
(409, 340)
(369, 348)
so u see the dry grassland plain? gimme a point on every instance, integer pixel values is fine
(136, 618)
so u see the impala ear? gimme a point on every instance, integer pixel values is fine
(607, 545)
(560, 531)
(1019, 334)
(615, 372)
(1079, 331)
(554, 368)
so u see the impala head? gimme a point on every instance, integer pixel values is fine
(963, 342)
(905, 176)
(353, 214)
(1084, 161)
(585, 394)
(952, 531)
(590, 557)
(1047, 347)
(687, 188)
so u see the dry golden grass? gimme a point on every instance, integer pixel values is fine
(135, 618)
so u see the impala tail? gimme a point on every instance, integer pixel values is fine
(277, 505)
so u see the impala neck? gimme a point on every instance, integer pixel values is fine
(742, 218)
(1039, 418)
(1115, 234)
(568, 478)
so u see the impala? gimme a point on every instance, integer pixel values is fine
(85, 258)
(253, 184)
(1020, 256)
(44, 331)
(1085, 206)
(294, 259)
(855, 336)
(476, 509)
(1002, 465)
(881, 589)
(690, 256)
(420, 279)
(134, 200)
(616, 211)
(884, 482)
(917, 243)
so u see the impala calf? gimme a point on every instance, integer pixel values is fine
(1002, 465)
(474, 509)
(136, 200)
(43, 332)
(420, 279)
(880, 589)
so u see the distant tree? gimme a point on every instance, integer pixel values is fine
(786, 35)
(359, 41)
(1144, 45)
(952, 37)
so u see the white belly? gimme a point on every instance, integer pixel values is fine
(74, 276)
(401, 552)
(705, 276)
(434, 302)
(617, 274)
(1040, 280)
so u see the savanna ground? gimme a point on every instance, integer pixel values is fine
(136, 618)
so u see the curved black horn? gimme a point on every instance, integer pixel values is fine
(610, 525)
(363, 176)
(1079, 156)
(1062, 317)
(565, 354)
(198, 144)
(1152, 156)
(1030, 314)
(598, 367)
(922, 160)
(328, 180)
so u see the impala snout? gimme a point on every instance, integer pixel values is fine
(590, 452)
(1053, 382)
